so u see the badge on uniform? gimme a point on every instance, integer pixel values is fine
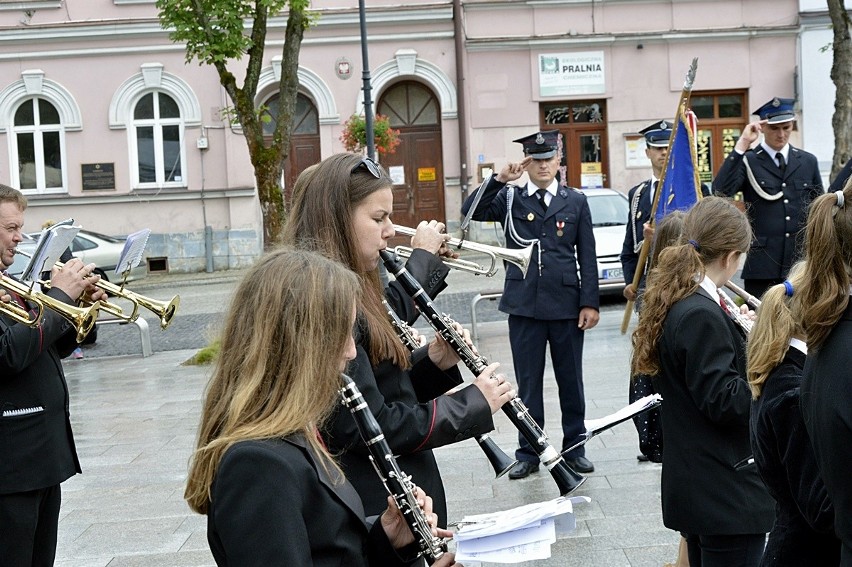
(530, 217)
(559, 226)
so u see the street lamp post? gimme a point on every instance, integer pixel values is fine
(365, 78)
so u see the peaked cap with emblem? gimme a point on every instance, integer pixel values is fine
(541, 145)
(657, 134)
(777, 110)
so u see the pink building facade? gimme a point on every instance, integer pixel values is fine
(102, 120)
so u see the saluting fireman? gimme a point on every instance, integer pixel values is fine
(778, 182)
(558, 300)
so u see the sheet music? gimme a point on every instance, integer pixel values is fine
(131, 255)
(595, 426)
(520, 534)
(51, 244)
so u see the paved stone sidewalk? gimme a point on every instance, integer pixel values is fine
(135, 420)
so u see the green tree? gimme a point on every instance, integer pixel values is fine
(216, 33)
(841, 75)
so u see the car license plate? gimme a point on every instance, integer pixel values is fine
(613, 274)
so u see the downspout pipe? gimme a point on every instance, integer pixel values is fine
(458, 33)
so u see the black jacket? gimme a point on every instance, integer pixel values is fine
(36, 443)
(411, 407)
(569, 274)
(804, 517)
(778, 224)
(826, 408)
(273, 504)
(705, 425)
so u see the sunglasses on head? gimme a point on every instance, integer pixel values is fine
(370, 165)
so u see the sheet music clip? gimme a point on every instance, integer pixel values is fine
(51, 244)
(131, 255)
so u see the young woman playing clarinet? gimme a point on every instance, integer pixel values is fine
(823, 306)
(696, 355)
(341, 207)
(272, 492)
(804, 517)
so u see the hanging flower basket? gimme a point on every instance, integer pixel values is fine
(354, 135)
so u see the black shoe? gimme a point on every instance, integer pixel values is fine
(581, 464)
(523, 469)
(642, 458)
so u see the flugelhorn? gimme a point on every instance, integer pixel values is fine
(83, 318)
(165, 310)
(520, 257)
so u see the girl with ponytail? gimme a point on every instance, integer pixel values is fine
(696, 355)
(804, 517)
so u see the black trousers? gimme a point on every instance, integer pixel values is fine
(28, 525)
(745, 550)
(529, 339)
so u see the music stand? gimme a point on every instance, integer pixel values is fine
(51, 244)
(131, 254)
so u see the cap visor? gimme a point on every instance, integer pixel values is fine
(542, 155)
(781, 119)
(659, 144)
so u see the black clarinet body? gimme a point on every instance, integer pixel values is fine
(566, 478)
(500, 461)
(397, 483)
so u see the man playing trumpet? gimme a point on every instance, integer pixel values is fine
(36, 442)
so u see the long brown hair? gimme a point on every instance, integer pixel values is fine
(828, 250)
(775, 325)
(324, 199)
(278, 370)
(712, 228)
(668, 232)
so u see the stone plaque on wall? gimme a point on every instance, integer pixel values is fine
(98, 176)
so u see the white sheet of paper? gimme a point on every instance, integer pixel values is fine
(51, 244)
(625, 413)
(132, 252)
(528, 552)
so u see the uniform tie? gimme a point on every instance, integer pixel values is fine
(782, 164)
(540, 194)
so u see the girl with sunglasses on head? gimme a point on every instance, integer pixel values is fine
(804, 517)
(341, 207)
(696, 355)
(272, 492)
(822, 305)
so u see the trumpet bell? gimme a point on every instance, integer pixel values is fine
(520, 257)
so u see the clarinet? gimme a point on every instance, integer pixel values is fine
(500, 461)
(397, 483)
(566, 478)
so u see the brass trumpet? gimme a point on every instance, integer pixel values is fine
(83, 318)
(520, 257)
(165, 310)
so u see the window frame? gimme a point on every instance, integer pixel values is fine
(37, 130)
(157, 123)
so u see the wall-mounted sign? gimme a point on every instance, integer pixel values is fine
(343, 68)
(426, 174)
(98, 176)
(561, 74)
(634, 152)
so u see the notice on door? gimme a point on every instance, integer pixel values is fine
(397, 174)
(425, 174)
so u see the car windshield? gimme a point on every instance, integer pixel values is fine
(608, 210)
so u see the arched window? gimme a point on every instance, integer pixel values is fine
(38, 142)
(158, 137)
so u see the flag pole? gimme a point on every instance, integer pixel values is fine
(683, 101)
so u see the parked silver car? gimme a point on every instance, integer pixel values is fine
(610, 210)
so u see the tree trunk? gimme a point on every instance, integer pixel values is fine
(841, 75)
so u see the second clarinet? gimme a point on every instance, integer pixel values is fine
(397, 483)
(567, 479)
